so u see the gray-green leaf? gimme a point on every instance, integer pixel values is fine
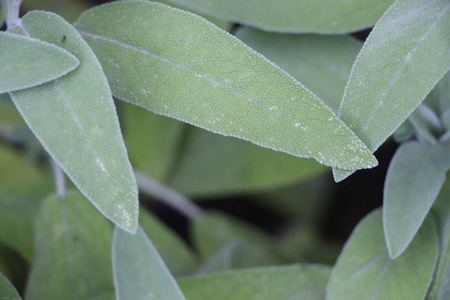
(75, 119)
(177, 64)
(72, 251)
(406, 54)
(26, 62)
(7, 290)
(139, 272)
(413, 181)
(365, 271)
(315, 16)
(268, 283)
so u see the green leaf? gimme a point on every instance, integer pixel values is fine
(74, 118)
(72, 251)
(2, 17)
(443, 90)
(404, 57)
(268, 283)
(413, 181)
(179, 259)
(26, 62)
(139, 272)
(315, 16)
(365, 271)
(320, 62)
(216, 82)
(426, 123)
(7, 290)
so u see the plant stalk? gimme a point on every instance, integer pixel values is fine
(11, 10)
(60, 180)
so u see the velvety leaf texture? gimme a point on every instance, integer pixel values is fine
(7, 290)
(314, 16)
(365, 271)
(214, 82)
(139, 272)
(406, 54)
(74, 118)
(27, 62)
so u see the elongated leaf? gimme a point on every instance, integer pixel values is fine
(443, 88)
(74, 118)
(7, 290)
(139, 272)
(413, 181)
(26, 62)
(268, 283)
(72, 244)
(214, 82)
(320, 62)
(406, 54)
(318, 16)
(365, 271)
(2, 17)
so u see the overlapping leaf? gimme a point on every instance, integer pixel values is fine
(214, 82)
(7, 290)
(74, 118)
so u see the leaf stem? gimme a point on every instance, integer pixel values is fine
(60, 180)
(11, 10)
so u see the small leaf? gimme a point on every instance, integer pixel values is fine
(315, 16)
(426, 123)
(365, 271)
(268, 283)
(26, 62)
(216, 82)
(139, 272)
(7, 290)
(74, 118)
(72, 251)
(406, 54)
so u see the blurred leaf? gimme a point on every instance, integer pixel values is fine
(413, 181)
(426, 123)
(9, 116)
(68, 9)
(72, 258)
(317, 16)
(220, 93)
(26, 62)
(15, 168)
(139, 272)
(365, 271)
(87, 142)
(179, 259)
(7, 290)
(13, 266)
(443, 88)
(268, 283)
(404, 132)
(2, 17)
(320, 62)
(406, 54)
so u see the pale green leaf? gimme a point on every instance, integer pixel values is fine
(177, 64)
(139, 272)
(180, 260)
(2, 17)
(414, 178)
(268, 283)
(26, 62)
(315, 16)
(74, 118)
(365, 271)
(7, 290)
(443, 90)
(72, 251)
(426, 124)
(406, 54)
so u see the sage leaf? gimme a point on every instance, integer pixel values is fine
(414, 178)
(139, 272)
(74, 118)
(7, 290)
(215, 82)
(266, 283)
(365, 271)
(406, 54)
(72, 251)
(26, 62)
(2, 16)
(310, 16)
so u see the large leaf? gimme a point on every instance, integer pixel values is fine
(72, 244)
(365, 271)
(27, 62)
(177, 64)
(74, 118)
(139, 272)
(413, 181)
(7, 290)
(406, 54)
(320, 62)
(268, 283)
(319, 16)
